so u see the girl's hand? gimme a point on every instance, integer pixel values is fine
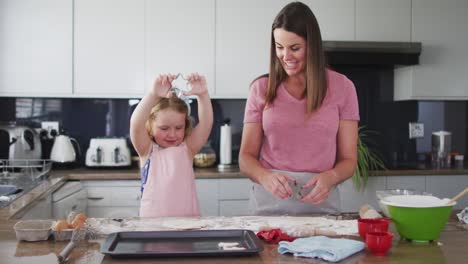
(197, 83)
(323, 183)
(162, 85)
(277, 184)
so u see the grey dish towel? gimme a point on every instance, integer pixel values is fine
(329, 249)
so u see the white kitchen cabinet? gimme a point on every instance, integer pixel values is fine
(41, 208)
(113, 198)
(71, 197)
(225, 197)
(406, 182)
(447, 186)
(233, 207)
(113, 212)
(109, 48)
(179, 38)
(441, 27)
(36, 48)
(352, 200)
(243, 38)
(336, 18)
(383, 20)
(234, 196)
(243, 32)
(207, 191)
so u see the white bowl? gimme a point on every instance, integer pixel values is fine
(382, 194)
(416, 201)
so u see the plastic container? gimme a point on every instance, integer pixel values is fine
(379, 242)
(33, 230)
(415, 219)
(65, 234)
(372, 225)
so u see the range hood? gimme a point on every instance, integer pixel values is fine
(372, 53)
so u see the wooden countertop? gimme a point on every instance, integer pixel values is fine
(450, 248)
(234, 172)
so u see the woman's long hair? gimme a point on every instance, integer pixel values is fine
(297, 17)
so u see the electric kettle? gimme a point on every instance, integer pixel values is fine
(63, 150)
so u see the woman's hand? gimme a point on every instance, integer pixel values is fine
(197, 83)
(277, 184)
(162, 85)
(322, 184)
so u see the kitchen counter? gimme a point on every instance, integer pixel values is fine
(234, 172)
(58, 177)
(450, 248)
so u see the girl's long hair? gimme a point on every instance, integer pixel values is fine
(173, 103)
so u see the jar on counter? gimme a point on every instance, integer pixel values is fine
(459, 161)
(206, 157)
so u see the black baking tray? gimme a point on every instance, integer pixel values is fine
(191, 243)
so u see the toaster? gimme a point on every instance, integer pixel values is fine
(108, 152)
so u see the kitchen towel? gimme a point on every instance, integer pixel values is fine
(329, 249)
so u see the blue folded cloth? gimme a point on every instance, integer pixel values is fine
(329, 249)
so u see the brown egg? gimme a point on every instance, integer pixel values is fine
(61, 225)
(81, 216)
(77, 223)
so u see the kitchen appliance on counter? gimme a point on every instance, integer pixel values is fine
(108, 152)
(63, 150)
(19, 143)
(441, 149)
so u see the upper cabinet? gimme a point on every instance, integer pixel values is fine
(336, 18)
(109, 48)
(180, 38)
(383, 20)
(243, 38)
(36, 48)
(441, 27)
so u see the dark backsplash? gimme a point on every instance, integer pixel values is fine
(84, 119)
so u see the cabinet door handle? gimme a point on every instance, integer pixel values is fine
(95, 198)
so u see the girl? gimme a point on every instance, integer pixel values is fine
(161, 132)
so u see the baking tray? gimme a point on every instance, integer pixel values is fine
(180, 243)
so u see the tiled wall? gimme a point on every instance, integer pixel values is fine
(88, 118)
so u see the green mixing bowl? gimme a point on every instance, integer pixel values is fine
(419, 224)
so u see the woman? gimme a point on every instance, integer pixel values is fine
(300, 125)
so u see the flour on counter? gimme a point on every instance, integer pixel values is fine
(293, 226)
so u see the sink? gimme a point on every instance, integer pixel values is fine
(8, 190)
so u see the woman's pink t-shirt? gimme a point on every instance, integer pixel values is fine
(293, 142)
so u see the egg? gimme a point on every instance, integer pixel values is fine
(80, 216)
(77, 223)
(61, 225)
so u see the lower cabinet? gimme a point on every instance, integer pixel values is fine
(223, 197)
(230, 196)
(352, 200)
(41, 209)
(447, 187)
(121, 198)
(113, 198)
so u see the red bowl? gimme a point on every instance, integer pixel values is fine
(372, 225)
(379, 242)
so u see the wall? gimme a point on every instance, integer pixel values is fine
(88, 118)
